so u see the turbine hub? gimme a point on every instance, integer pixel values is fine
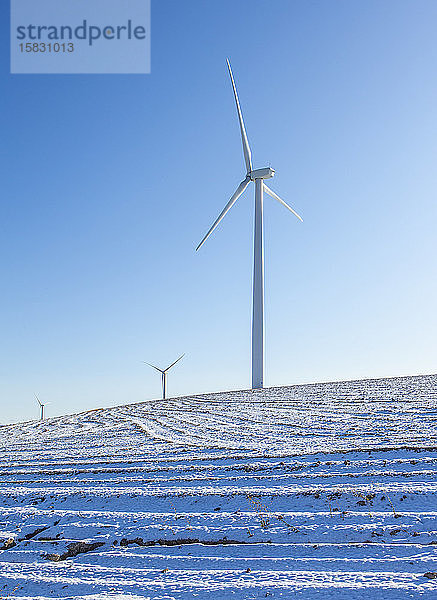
(265, 173)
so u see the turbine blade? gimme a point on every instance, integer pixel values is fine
(240, 189)
(246, 148)
(39, 402)
(173, 364)
(153, 366)
(276, 197)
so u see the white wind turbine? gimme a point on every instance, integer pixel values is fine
(41, 406)
(258, 177)
(164, 374)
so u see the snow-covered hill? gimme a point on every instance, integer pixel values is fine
(312, 491)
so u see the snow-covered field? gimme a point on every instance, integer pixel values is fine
(312, 491)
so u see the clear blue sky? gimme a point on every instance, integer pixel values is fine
(109, 182)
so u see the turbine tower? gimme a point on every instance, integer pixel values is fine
(164, 374)
(41, 406)
(257, 176)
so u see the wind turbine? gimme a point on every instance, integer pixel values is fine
(164, 374)
(41, 406)
(257, 176)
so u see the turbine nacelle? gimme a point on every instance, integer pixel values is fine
(266, 173)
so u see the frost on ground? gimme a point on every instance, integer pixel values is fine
(311, 492)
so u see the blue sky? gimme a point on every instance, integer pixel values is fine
(110, 181)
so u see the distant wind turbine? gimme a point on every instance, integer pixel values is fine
(164, 374)
(41, 406)
(258, 177)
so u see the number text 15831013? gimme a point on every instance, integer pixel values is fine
(49, 47)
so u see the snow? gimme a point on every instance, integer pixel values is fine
(313, 492)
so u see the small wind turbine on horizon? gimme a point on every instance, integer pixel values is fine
(164, 374)
(41, 406)
(257, 176)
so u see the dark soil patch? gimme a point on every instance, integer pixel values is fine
(9, 543)
(75, 549)
(32, 534)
